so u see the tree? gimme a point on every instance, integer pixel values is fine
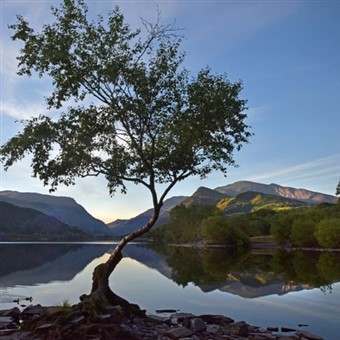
(220, 230)
(328, 232)
(139, 116)
(302, 231)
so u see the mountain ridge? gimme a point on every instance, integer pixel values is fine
(276, 197)
(300, 194)
(65, 209)
(26, 224)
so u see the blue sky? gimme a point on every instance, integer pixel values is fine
(287, 53)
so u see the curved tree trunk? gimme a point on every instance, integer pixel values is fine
(101, 293)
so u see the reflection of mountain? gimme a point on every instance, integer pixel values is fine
(42, 263)
(244, 274)
(272, 285)
(247, 275)
(149, 257)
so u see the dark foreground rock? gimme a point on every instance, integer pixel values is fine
(37, 322)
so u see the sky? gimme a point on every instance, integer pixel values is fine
(287, 54)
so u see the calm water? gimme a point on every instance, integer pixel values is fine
(281, 289)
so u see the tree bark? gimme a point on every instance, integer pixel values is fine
(101, 293)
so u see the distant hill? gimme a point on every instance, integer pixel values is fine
(247, 202)
(65, 209)
(123, 227)
(24, 224)
(277, 190)
(204, 196)
(239, 197)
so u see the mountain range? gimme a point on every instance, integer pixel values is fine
(25, 224)
(65, 209)
(32, 216)
(239, 197)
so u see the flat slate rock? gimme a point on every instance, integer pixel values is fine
(178, 332)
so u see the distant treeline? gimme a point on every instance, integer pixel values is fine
(317, 226)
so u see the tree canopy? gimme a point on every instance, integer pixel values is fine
(132, 111)
(146, 120)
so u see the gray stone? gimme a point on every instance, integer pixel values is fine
(156, 319)
(197, 325)
(14, 312)
(216, 319)
(79, 320)
(308, 335)
(33, 310)
(178, 332)
(238, 328)
(273, 329)
(45, 326)
(287, 329)
(6, 322)
(213, 329)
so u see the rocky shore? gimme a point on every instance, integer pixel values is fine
(38, 323)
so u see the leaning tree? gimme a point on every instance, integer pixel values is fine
(133, 112)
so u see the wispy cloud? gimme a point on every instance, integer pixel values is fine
(323, 167)
(22, 110)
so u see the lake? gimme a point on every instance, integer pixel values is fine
(282, 289)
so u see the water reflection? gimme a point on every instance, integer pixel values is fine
(252, 275)
(245, 274)
(190, 280)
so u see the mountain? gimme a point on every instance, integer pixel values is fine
(65, 209)
(277, 190)
(204, 196)
(249, 201)
(25, 224)
(123, 227)
(239, 197)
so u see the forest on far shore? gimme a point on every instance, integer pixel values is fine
(317, 226)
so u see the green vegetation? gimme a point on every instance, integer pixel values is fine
(308, 227)
(328, 232)
(64, 305)
(185, 224)
(249, 201)
(317, 226)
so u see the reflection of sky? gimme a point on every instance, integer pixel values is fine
(151, 291)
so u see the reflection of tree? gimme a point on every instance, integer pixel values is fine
(311, 268)
(218, 266)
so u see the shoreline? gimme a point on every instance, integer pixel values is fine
(113, 322)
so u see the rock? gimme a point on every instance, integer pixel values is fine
(6, 322)
(308, 335)
(44, 327)
(273, 329)
(14, 312)
(115, 323)
(157, 319)
(238, 328)
(197, 325)
(216, 319)
(80, 319)
(33, 310)
(213, 329)
(160, 311)
(287, 329)
(178, 332)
